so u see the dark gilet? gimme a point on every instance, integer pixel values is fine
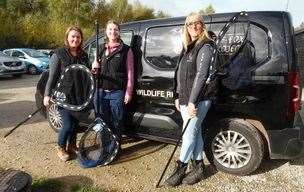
(113, 74)
(72, 85)
(188, 70)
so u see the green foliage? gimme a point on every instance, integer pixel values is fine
(79, 188)
(162, 14)
(141, 12)
(42, 23)
(48, 185)
(87, 188)
(208, 10)
(3, 3)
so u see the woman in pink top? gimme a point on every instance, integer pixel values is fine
(116, 64)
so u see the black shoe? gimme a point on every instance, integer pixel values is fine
(196, 174)
(177, 175)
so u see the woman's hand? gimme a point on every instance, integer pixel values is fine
(192, 110)
(95, 66)
(127, 98)
(176, 103)
(46, 101)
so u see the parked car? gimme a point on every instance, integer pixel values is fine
(35, 61)
(11, 66)
(245, 125)
(48, 52)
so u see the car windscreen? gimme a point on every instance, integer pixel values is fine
(34, 53)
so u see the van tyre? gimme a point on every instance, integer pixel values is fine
(54, 118)
(234, 146)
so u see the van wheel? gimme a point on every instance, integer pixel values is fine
(234, 146)
(54, 118)
(32, 70)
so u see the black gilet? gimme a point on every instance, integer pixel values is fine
(188, 70)
(67, 59)
(71, 85)
(114, 68)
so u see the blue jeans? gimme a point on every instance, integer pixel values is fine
(192, 143)
(111, 108)
(68, 132)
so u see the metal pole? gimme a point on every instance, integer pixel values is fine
(169, 160)
(98, 70)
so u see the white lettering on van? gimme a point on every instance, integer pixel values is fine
(154, 93)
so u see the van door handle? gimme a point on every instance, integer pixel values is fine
(147, 79)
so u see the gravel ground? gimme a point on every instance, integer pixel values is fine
(31, 148)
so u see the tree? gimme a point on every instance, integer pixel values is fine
(141, 12)
(20, 8)
(76, 12)
(121, 10)
(3, 3)
(162, 14)
(208, 10)
(42, 23)
(101, 11)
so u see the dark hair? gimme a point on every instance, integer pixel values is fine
(75, 28)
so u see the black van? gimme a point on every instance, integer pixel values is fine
(263, 118)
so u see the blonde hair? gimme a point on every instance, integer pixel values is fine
(75, 28)
(118, 26)
(186, 36)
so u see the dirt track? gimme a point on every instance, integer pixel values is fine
(31, 148)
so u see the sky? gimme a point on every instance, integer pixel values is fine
(184, 7)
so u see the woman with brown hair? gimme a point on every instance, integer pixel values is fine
(191, 99)
(116, 65)
(72, 53)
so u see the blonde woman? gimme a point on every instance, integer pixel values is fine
(191, 100)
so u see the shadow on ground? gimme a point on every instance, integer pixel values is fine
(299, 161)
(139, 150)
(268, 165)
(73, 183)
(13, 113)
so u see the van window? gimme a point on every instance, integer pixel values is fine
(235, 35)
(163, 46)
(91, 48)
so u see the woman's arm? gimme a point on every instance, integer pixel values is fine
(203, 61)
(130, 74)
(53, 74)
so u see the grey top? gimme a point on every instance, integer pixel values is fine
(203, 61)
(54, 66)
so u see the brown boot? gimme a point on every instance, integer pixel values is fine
(62, 154)
(72, 149)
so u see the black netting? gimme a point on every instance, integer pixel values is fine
(75, 88)
(98, 145)
(236, 52)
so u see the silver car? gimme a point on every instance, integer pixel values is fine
(11, 66)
